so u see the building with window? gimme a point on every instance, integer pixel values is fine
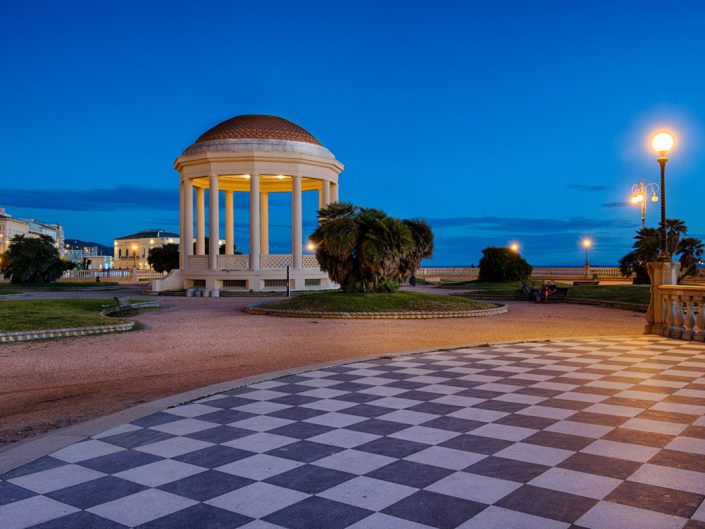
(131, 251)
(11, 226)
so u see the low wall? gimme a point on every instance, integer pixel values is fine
(460, 273)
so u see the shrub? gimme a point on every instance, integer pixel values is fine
(33, 260)
(503, 264)
(164, 258)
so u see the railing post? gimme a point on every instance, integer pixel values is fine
(660, 273)
(689, 323)
(700, 320)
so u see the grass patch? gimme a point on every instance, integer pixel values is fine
(383, 302)
(617, 293)
(622, 293)
(40, 314)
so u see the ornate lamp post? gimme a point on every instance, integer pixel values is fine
(639, 194)
(587, 243)
(662, 144)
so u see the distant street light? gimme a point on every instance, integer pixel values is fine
(662, 143)
(310, 246)
(514, 247)
(587, 243)
(134, 256)
(639, 196)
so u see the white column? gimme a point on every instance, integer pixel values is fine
(326, 193)
(187, 233)
(200, 221)
(334, 193)
(296, 225)
(229, 224)
(254, 222)
(264, 223)
(182, 224)
(213, 223)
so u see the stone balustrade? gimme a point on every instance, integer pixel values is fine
(682, 311)
(568, 272)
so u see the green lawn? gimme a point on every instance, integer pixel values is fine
(622, 293)
(36, 314)
(397, 301)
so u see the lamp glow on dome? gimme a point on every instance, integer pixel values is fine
(662, 142)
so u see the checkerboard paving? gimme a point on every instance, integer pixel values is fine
(600, 433)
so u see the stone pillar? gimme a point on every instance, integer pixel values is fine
(326, 193)
(200, 221)
(182, 224)
(187, 233)
(229, 224)
(213, 223)
(254, 222)
(660, 273)
(264, 223)
(296, 225)
(334, 193)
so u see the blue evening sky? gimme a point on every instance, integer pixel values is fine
(495, 121)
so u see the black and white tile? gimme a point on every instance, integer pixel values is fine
(595, 433)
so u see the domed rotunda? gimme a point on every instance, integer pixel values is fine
(258, 155)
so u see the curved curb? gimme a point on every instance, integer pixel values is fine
(11, 296)
(20, 453)
(25, 336)
(256, 308)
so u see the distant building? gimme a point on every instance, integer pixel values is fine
(87, 257)
(11, 226)
(131, 251)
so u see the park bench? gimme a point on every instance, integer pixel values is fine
(122, 302)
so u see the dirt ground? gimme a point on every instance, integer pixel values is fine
(194, 342)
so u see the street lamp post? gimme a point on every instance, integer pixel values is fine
(639, 194)
(662, 144)
(587, 243)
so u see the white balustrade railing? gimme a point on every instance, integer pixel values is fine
(310, 261)
(682, 311)
(197, 262)
(603, 272)
(276, 260)
(232, 262)
(242, 262)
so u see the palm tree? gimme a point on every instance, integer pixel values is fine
(647, 245)
(691, 253)
(365, 250)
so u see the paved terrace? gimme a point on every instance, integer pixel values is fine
(195, 342)
(600, 433)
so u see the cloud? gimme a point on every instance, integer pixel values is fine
(583, 187)
(99, 199)
(615, 205)
(526, 225)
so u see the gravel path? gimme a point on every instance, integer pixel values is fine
(194, 342)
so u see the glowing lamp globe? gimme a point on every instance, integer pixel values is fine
(662, 143)
(310, 247)
(587, 243)
(514, 247)
(654, 198)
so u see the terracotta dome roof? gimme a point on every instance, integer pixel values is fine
(255, 126)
